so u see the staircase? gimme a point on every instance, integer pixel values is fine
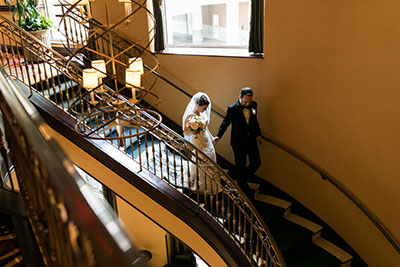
(302, 238)
(10, 251)
(299, 239)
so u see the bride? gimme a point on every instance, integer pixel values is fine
(195, 122)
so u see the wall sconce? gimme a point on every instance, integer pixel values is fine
(100, 66)
(90, 81)
(128, 8)
(136, 63)
(132, 79)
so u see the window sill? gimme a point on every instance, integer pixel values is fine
(211, 52)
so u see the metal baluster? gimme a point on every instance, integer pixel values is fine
(229, 213)
(66, 90)
(147, 153)
(257, 249)
(161, 161)
(54, 87)
(217, 200)
(205, 192)
(251, 241)
(139, 151)
(46, 78)
(7, 53)
(197, 177)
(167, 160)
(75, 32)
(262, 254)
(14, 63)
(182, 172)
(131, 142)
(188, 175)
(154, 157)
(2, 49)
(240, 215)
(65, 27)
(19, 59)
(72, 46)
(234, 217)
(174, 155)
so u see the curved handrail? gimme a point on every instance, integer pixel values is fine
(58, 193)
(324, 175)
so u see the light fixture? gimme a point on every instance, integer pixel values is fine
(115, 110)
(100, 66)
(127, 7)
(90, 81)
(132, 79)
(136, 63)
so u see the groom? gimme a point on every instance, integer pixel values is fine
(245, 136)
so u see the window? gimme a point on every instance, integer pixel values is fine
(53, 9)
(207, 23)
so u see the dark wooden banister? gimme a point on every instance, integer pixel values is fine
(111, 244)
(325, 176)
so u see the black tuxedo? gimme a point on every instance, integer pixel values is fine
(243, 140)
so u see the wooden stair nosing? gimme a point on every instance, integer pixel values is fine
(334, 250)
(272, 200)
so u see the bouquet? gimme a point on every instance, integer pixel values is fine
(196, 125)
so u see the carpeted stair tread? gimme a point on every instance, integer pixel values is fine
(308, 254)
(269, 212)
(8, 243)
(268, 189)
(288, 235)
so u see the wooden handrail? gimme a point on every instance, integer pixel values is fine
(51, 187)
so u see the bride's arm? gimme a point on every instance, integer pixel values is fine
(185, 130)
(211, 136)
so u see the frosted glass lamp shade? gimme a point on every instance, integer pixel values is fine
(90, 79)
(136, 63)
(81, 3)
(100, 66)
(132, 77)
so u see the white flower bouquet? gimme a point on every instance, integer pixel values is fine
(196, 125)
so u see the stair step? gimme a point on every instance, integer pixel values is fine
(10, 254)
(288, 235)
(254, 186)
(273, 200)
(310, 255)
(339, 253)
(269, 212)
(313, 227)
(8, 237)
(16, 262)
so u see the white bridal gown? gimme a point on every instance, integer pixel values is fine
(203, 142)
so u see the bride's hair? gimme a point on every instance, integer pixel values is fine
(200, 99)
(203, 101)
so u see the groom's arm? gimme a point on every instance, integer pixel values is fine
(225, 123)
(257, 127)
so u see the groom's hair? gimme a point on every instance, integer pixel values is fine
(246, 91)
(203, 101)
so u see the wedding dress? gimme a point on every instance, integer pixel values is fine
(201, 178)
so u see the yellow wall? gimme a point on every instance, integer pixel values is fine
(328, 87)
(146, 234)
